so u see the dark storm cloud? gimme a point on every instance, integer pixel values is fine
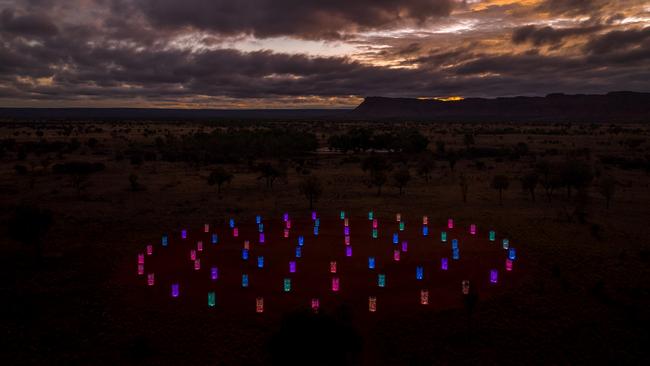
(26, 24)
(618, 40)
(300, 18)
(176, 51)
(549, 35)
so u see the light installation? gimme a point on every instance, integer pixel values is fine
(372, 304)
(335, 284)
(315, 305)
(381, 280)
(259, 305)
(512, 254)
(209, 232)
(424, 297)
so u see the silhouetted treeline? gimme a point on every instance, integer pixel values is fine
(225, 146)
(363, 139)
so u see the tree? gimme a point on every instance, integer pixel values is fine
(607, 188)
(401, 177)
(79, 172)
(374, 163)
(549, 177)
(500, 183)
(29, 225)
(452, 158)
(378, 179)
(218, 177)
(529, 183)
(312, 188)
(464, 186)
(270, 173)
(575, 174)
(468, 140)
(376, 166)
(133, 181)
(426, 165)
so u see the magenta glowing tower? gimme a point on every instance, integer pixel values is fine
(315, 305)
(450, 224)
(335, 284)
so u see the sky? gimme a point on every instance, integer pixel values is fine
(314, 54)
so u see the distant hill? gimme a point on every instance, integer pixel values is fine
(144, 114)
(611, 107)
